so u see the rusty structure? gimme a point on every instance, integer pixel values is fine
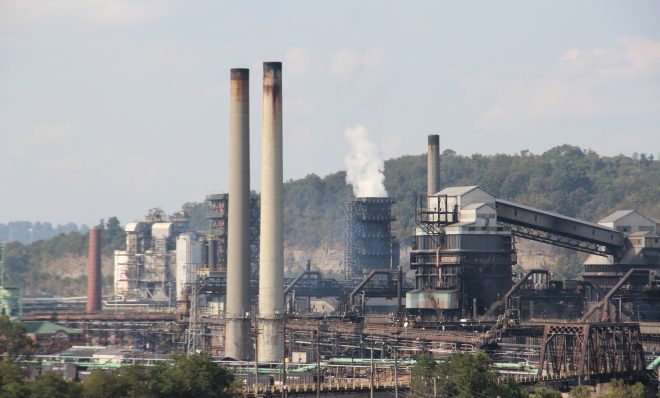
(370, 244)
(94, 278)
(591, 350)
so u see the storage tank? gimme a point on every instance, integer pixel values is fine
(188, 256)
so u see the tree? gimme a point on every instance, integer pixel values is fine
(114, 236)
(580, 392)
(104, 384)
(545, 392)
(14, 341)
(193, 376)
(619, 389)
(11, 381)
(465, 375)
(52, 385)
(424, 375)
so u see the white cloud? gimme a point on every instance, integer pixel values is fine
(586, 83)
(633, 57)
(348, 63)
(98, 12)
(299, 64)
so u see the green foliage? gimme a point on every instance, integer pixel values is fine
(619, 389)
(12, 384)
(24, 264)
(195, 376)
(465, 375)
(14, 341)
(314, 210)
(580, 392)
(104, 384)
(52, 385)
(545, 392)
(113, 237)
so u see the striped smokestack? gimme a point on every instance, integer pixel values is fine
(238, 234)
(433, 165)
(271, 253)
(94, 271)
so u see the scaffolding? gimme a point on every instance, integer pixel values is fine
(370, 244)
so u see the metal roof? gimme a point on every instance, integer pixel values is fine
(46, 327)
(474, 206)
(617, 215)
(457, 191)
(640, 233)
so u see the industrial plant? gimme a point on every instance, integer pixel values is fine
(223, 290)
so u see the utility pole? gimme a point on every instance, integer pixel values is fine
(396, 374)
(435, 387)
(284, 386)
(318, 366)
(256, 354)
(2, 266)
(371, 372)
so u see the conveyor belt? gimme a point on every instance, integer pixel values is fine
(556, 229)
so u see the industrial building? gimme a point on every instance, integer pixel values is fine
(461, 255)
(223, 290)
(146, 269)
(369, 243)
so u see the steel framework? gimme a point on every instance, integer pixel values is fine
(588, 350)
(559, 240)
(369, 241)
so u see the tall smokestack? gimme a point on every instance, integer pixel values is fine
(94, 271)
(271, 252)
(433, 165)
(238, 234)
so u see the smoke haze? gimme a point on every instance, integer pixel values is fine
(364, 164)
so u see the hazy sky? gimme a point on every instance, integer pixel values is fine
(113, 107)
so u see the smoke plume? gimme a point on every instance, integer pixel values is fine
(364, 166)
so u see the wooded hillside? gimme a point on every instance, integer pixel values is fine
(566, 179)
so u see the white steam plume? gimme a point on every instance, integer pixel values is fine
(364, 166)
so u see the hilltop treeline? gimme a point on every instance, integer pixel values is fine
(567, 179)
(27, 232)
(25, 263)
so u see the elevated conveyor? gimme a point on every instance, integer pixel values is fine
(556, 229)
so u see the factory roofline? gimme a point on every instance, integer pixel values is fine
(458, 191)
(46, 327)
(474, 206)
(639, 233)
(617, 215)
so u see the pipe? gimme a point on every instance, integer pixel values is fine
(399, 290)
(604, 303)
(94, 272)
(238, 233)
(212, 256)
(271, 251)
(433, 165)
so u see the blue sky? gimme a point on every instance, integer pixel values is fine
(112, 107)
